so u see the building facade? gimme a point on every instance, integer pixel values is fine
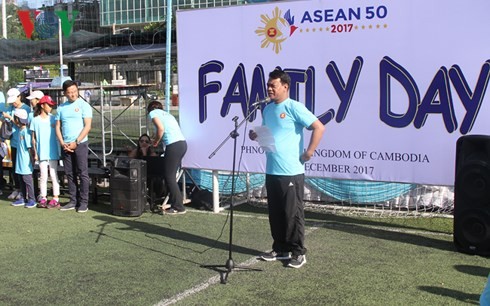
(132, 12)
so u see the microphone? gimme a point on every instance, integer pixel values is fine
(266, 100)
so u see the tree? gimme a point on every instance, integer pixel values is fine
(14, 27)
(14, 31)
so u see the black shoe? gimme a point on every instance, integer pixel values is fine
(69, 206)
(82, 209)
(273, 255)
(173, 211)
(297, 261)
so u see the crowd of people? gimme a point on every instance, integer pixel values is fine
(37, 137)
(40, 137)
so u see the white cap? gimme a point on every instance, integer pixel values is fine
(21, 114)
(36, 94)
(12, 95)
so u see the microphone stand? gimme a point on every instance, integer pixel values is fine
(230, 264)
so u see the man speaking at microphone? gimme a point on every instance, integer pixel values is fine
(286, 119)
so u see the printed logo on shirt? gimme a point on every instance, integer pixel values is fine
(282, 115)
(77, 109)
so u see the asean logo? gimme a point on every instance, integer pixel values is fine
(276, 29)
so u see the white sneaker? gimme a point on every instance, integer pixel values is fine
(13, 195)
(19, 196)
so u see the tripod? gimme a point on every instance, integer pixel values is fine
(230, 264)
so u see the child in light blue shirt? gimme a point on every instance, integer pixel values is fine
(46, 151)
(23, 166)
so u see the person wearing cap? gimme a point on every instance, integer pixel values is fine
(46, 151)
(3, 145)
(23, 167)
(15, 102)
(34, 98)
(73, 123)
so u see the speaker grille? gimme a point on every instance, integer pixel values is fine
(472, 195)
(473, 181)
(473, 230)
(128, 188)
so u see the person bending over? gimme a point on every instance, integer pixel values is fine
(167, 132)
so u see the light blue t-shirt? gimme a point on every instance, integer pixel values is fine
(47, 145)
(14, 138)
(286, 121)
(30, 117)
(172, 131)
(3, 106)
(485, 296)
(71, 115)
(23, 165)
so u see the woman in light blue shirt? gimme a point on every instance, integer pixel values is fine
(167, 131)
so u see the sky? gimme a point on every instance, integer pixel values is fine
(34, 3)
(38, 3)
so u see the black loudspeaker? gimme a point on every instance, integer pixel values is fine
(128, 187)
(472, 195)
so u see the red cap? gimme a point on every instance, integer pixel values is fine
(48, 100)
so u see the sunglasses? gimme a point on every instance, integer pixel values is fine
(144, 141)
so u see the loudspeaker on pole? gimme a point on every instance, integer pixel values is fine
(472, 195)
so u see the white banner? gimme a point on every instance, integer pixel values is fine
(396, 83)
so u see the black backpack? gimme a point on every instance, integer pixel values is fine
(6, 130)
(202, 199)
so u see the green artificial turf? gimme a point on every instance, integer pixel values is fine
(51, 257)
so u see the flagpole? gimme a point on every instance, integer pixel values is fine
(4, 33)
(168, 52)
(60, 41)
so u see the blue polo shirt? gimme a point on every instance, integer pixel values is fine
(71, 115)
(286, 121)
